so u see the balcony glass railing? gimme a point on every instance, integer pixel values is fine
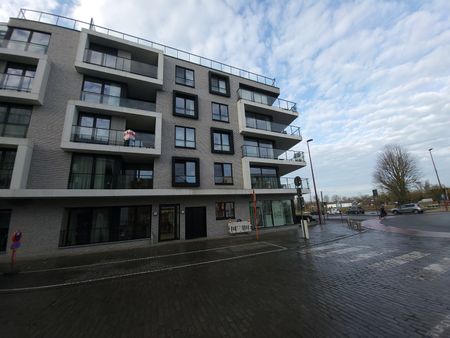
(266, 100)
(271, 182)
(111, 137)
(271, 153)
(24, 46)
(120, 63)
(16, 82)
(103, 181)
(273, 127)
(117, 101)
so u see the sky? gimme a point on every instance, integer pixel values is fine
(364, 74)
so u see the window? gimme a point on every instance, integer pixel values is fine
(184, 76)
(264, 178)
(185, 172)
(18, 77)
(220, 112)
(92, 129)
(5, 216)
(185, 105)
(223, 173)
(108, 224)
(224, 210)
(259, 148)
(184, 137)
(219, 84)
(222, 141)
(7, 158)
(263, 122)
(101, 91)
(26, 40)
(14, 120)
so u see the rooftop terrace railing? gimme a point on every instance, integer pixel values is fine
(62, 21)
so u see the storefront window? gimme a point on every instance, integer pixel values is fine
(272, 213)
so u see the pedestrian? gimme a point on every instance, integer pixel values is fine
(382, 212)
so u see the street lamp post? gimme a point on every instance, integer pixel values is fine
(314, 182)
(437, 176)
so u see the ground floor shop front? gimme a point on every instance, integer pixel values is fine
(70, 226)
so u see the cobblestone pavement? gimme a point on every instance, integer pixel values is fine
(340, 284)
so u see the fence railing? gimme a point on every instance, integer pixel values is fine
(16, 82)
(120, 63)
(111, 137)
(271, 182)
(273, 126)
(24, 46)
(266, 100)
(104, 181)
(272, 153)
(117, 101)
(70, 23)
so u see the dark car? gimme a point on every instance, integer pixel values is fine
(355, 210)
(409, 208)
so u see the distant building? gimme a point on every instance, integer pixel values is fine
(109, 138)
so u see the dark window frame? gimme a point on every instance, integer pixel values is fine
(214, 75)
(223, 173)
(230, 137)
(183, 81)
(186, 160)
(220, 112)
(30, 37)
(5, 121)
(185, 147)
(185, 96)
(225, 216)
(7, 169)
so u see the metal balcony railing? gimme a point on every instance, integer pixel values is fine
(273, 126)
(120, 63)
(117, 101)
(24, 46)
(111, 137)
(271, 182)
(16, 82)
(266, 100)
(62, 21)
(271, 153)
(104, 181)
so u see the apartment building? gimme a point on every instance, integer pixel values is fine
(109, 141)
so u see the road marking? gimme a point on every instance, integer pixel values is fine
(75, 267)
(399, 260)
(432, 271)
(323, 247)
(367, 255)
(341, 251)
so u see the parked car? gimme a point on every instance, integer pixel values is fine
(355, 210)
(414, 208)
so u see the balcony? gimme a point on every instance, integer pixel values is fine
(24, 46)
(102, 181)
(111, 137)
(16, 82)
(248, 95)
(272, 182)
(118, 101)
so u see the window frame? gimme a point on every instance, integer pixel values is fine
(10, 32)
(230, 137)
(225, 216)
(183, 81)
(4, 123)
(185, 160)
(220, 112)
(214, 75)
(178, 94)
(185, 146)
(223, 173)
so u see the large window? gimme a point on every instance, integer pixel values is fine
(184, 137)
(26, 40)
(5, 216)
(223, 173)
(222, 141)
(101, 91)
(184, 76)
(14, 120)
(110, 224)
(185, 172)
(185, 105)
(92, 128)
(258, 148)
(7, 158)
(224, 210)
(271, 213)
(220, 112)
(264, 178)
(219, 84)
(18, 77)
(259, 121)
(107, 172)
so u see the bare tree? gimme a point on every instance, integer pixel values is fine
(396, 171)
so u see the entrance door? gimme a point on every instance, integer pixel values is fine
(169, 222)
(195, 222)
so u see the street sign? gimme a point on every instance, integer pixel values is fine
(375, 192)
